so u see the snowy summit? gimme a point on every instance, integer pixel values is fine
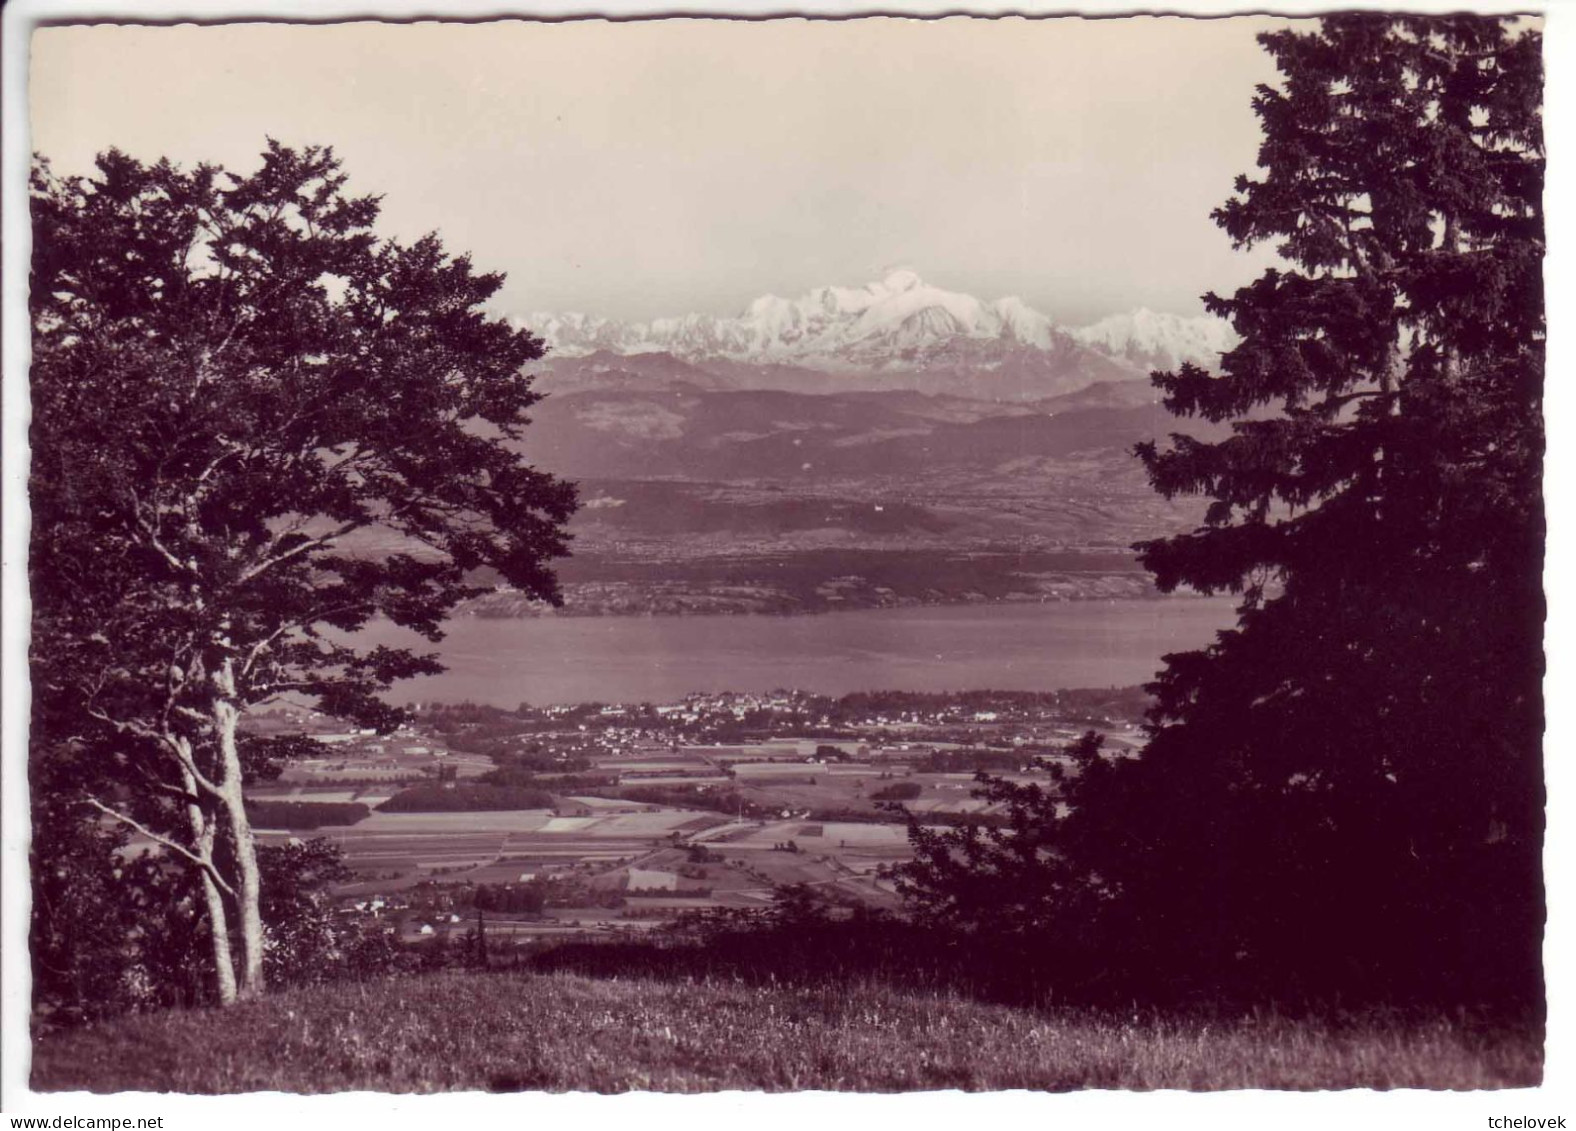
(896, 321)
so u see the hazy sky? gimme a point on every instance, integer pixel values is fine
(645, 168)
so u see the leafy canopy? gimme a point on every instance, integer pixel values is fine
(231, 375)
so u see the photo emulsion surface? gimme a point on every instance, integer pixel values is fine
(870, 555)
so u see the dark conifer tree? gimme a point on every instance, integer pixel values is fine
(1343, 795)
(1356, 769)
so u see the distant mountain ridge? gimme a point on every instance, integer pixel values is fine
(857, 447)
(802, 440)
(901, 325)
(1154, 340)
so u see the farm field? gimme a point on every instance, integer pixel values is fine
(357, 765)
(769, 813)
(397, 850)
(847, 787)
(615, 851)
(605, 804)
(828, 834)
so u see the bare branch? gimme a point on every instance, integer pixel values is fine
(174, 846)
(266, 642)
(152, 535)
(231, 450)
(297, 550)
(170, 742)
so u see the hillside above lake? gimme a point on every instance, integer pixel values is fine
(688, 473)
(875, 447)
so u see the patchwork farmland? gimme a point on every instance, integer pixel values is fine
(647, 813)
(638, 859)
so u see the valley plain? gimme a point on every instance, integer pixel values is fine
(584, 820)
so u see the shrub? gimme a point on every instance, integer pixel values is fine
(467, 798)
(898, 791)
(304, 814)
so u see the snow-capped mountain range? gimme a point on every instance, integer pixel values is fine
(897, 323)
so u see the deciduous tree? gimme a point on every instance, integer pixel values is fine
(256, 426)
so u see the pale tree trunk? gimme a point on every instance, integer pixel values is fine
(219, 927)
(227, 717)
(203, 835)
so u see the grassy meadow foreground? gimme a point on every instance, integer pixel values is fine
(563, 1032)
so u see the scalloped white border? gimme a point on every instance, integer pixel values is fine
(790, 1112)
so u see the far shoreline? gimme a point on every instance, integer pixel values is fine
(656, 658)
(547, 612)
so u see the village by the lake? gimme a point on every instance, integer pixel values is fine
(533, 824)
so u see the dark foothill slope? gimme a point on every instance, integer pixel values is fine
(793, 437)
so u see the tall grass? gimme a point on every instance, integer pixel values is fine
(563, 1032)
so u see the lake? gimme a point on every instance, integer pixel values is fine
(547, 660)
